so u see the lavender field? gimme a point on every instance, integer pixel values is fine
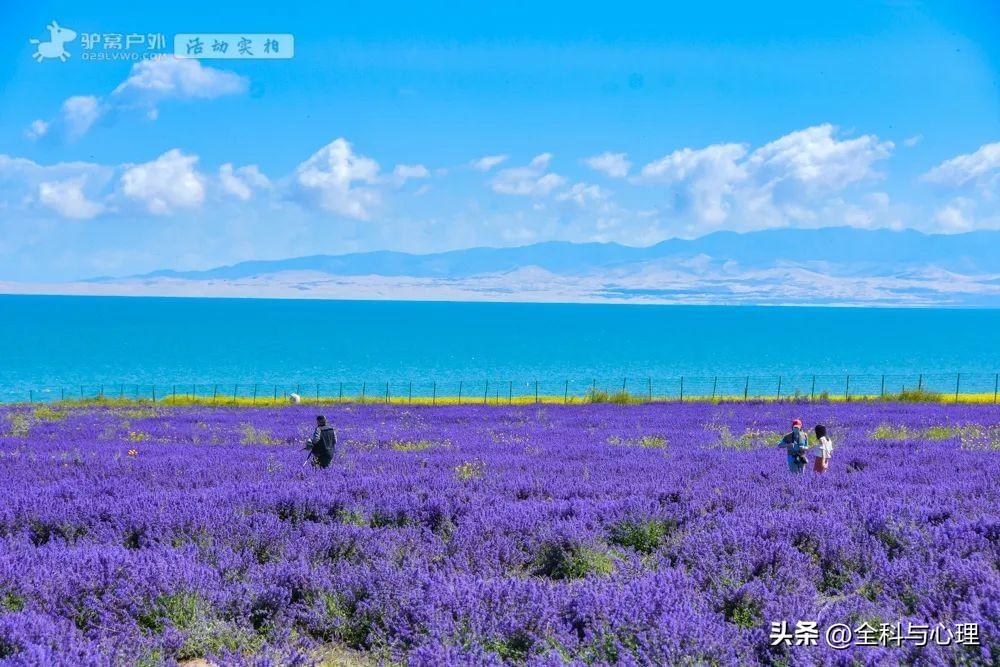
(589, 534)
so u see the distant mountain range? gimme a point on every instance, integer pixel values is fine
(828, 266)
(878, 250)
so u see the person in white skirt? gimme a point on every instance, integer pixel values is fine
(824, 449)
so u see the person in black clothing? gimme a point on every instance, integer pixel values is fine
(323, 443)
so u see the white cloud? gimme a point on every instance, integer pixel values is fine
(405, 172)
(37, 129)
(167, 183)
(60, 187)
(149, 83)
(487, 162)
(708, 175)
(981, 168)
(775, 184)
(79, 113)
(241, 182)
(615, 165)
(68, 199)
(532, 180)
(177, 78)
(957, 215)
(816, 160)
(330, 175)
(910, 142)
(582, 193)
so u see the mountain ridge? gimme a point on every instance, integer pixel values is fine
(890, 249)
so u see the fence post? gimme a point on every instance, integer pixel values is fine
(847, 389)
(682, 389)
(715, 383)
(274, 401)
(409, 400)
(510, 393)
(364, 388)
(649, 390)
(624, 385)
(536, 391)
(121, 392)
(566, 393)
(779, 387)
(254, 402)
(460, 382)
(340, 392)
(812, 392)
(387, 393)
(31, 396)
(215, 393)
(746, 388)
(958, 381)
(62, 394)
(882, 392)
(434, 393)
(486, 392)
(154, 393)
(920, 383)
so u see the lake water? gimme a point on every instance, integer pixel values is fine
(65, 346)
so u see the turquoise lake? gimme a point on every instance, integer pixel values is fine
(70, 346)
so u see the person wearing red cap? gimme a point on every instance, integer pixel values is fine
(796, 444)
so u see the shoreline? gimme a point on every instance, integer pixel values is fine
(187, 400)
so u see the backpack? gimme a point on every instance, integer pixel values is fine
(795, 449)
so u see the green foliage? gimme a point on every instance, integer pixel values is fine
(139, 413)
(888, 432)
(834, 579)
(44, 413)
(412, 445)
(642, 536)
(470, 470)
(976, 437)
(251, 435)
(870, 590)
(10, 601)
(206, 633)
(743, 613)
(152, 659)
(619, 397)
(647, 441)
(571, 561)
(749, 440)
(972, 436)
(513, 648)
(20, 424)
(915, 396)
(349, 623)
(352, 517)
(138, 436)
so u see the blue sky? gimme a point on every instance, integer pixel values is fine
(621, 122)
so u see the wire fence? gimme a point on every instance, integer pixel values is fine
(973, 387)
